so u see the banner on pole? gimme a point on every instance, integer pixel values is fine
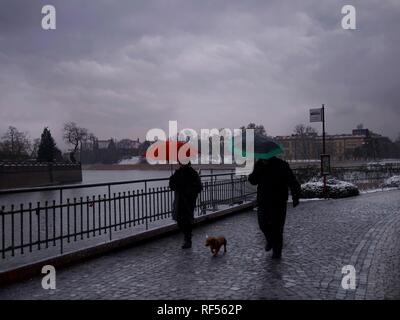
(316, 115)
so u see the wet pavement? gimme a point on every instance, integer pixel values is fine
(320, 238)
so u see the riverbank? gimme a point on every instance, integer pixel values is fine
(38, 174)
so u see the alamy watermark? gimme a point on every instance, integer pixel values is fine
(349, 278)
(49, 17)
(49, 280)
(161, 152)
(349, 19)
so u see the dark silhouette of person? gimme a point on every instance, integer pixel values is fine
(187, 185)
(274, 178)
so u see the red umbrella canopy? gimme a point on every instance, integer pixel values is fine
(171, 150)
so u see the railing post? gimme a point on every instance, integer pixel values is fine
(243, 187)
(22, 227)
(232, 189)
(38, 224)
(145, 205)
(214, 207)
(3, 233)
(61, 222)
(109, 211)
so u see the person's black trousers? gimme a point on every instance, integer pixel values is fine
(185, 225)
(271, 220)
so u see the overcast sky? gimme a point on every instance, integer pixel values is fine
(122, 67)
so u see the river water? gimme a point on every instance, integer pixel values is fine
(100, 176)
(94, 177)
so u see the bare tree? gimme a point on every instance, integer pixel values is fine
(306, 141)
(304, 130)
(74, 136)
(15, 145)
(35, 148)
(259, 130)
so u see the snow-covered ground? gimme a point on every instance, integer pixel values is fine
(133, 160)
(305, 161)
(392, 182)
(384, 162)
(377, 190)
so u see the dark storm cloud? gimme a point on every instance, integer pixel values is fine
(123, 67)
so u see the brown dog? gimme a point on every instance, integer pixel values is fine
(215, 243)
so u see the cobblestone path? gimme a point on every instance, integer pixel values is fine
(320, 238)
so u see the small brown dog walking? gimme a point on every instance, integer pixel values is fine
(215, 243)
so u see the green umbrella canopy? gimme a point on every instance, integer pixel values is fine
(264, 148)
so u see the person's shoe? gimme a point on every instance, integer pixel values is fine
(268, 247)
(186, 245)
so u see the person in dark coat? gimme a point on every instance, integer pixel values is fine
(187, 185)
(274, 178)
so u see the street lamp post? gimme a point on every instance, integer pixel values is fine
(318, 115)
(323, 147)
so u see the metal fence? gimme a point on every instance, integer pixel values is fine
(64, 218)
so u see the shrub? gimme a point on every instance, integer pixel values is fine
(335, 189)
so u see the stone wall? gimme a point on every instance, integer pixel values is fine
(24, 175)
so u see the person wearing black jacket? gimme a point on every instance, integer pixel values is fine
(187, 185)
(274, 178)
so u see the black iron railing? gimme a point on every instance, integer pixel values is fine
(62, 218)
